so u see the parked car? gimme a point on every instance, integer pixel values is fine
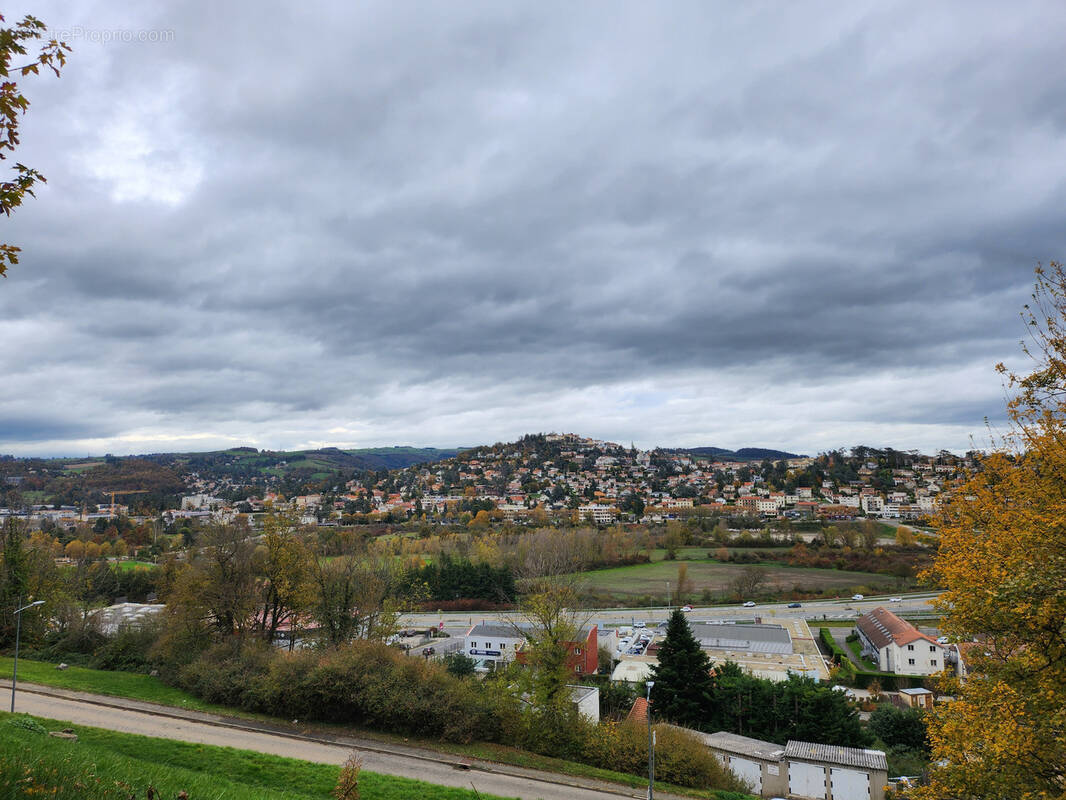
(429, 651)
(639, 625)
(795, 605)
(856, 597)
(895, 599)
(942, 639)
(686, 609)
(750, 604)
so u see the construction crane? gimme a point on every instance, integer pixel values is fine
(122, 491)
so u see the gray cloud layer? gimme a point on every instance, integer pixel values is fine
(769, 224)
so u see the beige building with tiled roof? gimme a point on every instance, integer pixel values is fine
(897, 646)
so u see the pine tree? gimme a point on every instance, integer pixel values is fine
(683, 684)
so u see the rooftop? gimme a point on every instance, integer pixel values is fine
(495, 631)
(834, 754)
(742, 745)
(750, 638)
(882, 627)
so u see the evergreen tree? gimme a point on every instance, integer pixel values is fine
(683, 685)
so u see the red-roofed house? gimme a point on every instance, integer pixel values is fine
(639, 711)
(897, 646)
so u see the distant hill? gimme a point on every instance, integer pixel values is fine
(246, 461)
(400, 457)
(742, 454)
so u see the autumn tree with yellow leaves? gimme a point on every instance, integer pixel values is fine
(1002, 561)
(16, 61)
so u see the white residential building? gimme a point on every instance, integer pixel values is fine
(897, 646)
(598, 513)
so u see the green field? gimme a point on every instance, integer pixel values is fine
(105, 765)
(129, 566)
(715, 577)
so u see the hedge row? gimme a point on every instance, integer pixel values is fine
(377, 687)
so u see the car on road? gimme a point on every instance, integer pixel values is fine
(795, 605)
(895, 599)
(750, 604)
(428, 651)
(640, 625)
(686, 609)
(856, 597)
(942, 639)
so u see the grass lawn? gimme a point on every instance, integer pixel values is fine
(856, 648)
(651, 579)
(130, 566)
(100, 681)
(106, 765)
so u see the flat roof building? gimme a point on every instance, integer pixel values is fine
(749, 638)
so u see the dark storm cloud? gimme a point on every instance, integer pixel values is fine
(461, 223)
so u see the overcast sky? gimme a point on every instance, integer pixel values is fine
(791, 225)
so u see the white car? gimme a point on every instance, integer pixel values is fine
(749, 604)
(686, 609)
(639, 625)
(856, 597)
(895, 599)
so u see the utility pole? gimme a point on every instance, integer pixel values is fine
(18, 634)
(651, 747)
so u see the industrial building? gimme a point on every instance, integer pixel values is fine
(802, 770)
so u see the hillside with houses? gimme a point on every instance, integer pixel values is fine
(538, 478)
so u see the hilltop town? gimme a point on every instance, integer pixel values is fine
(539, 478)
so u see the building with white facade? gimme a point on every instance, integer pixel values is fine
(490, 643)
(897, 646)
(598, 513)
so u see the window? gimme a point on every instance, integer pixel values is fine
(910, 661)
(473, 644)
(503, 645)
(932, 662)
(577, 651)
(910, 647)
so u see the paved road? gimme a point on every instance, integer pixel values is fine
(425, 765)
(456, 623)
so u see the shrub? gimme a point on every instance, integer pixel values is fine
(680, 757)
(459, 665)
(903, 727)
(128, 649)
(347, 787)
(27, 723)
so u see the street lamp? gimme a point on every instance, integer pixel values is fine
(18, 633)
(651, 747)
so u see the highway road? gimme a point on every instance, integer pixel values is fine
(911, 604)
(425, 765)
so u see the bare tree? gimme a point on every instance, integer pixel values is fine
(748, 582)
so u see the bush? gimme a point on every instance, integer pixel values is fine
(128, 649)
(680, 757)
(903, 727)
(28, 723)
(459, 665)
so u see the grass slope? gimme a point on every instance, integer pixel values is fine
(106, 765)
(99, 681)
